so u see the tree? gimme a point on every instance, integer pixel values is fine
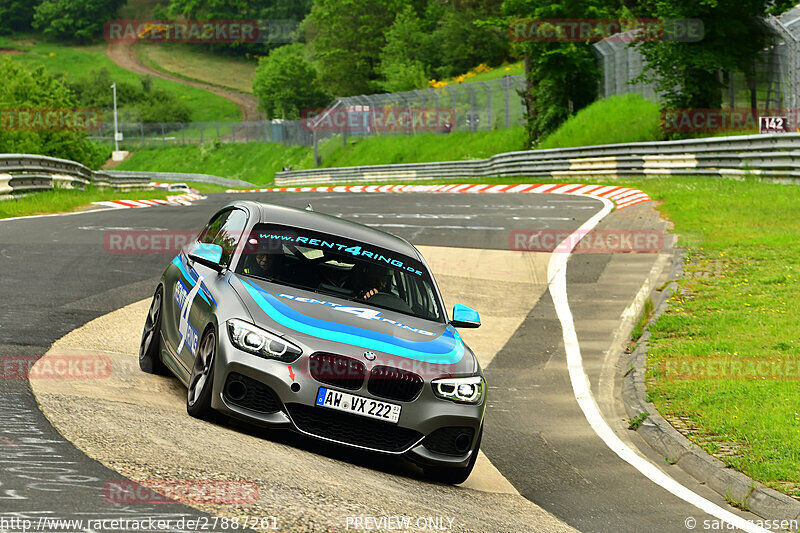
(687, 74)
(16, 15)
(270, 14)
(36, 89)
(346, 38)
(286, 84)
(410, 51)
(75, 20)
(561, 77)
(464, 43)
(438, 40)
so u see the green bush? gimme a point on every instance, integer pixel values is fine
(140, 103)
(36, 89)
(16, 15)
(74, 20)
(286, 84)
(618, 119)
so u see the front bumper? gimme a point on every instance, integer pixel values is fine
(285, 396)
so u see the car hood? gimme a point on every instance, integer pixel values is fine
(306, 315)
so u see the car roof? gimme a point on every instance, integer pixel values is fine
(311, 220)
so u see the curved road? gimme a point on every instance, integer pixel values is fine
(57, 276)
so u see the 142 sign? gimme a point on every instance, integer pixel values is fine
(772, 124)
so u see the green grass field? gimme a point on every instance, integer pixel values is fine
(422, 148)
(67, 200)
(618, 119)
(78, 61)
(258, 162)
(253, 162)
(738, 302)
(186, 62)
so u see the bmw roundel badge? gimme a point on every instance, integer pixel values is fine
(370, 356)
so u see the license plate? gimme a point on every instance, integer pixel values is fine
(358, 405)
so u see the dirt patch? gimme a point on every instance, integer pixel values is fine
(11, 51)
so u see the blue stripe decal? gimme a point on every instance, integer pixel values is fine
(447, 349)
(178, 262)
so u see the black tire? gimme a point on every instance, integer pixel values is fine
(454, 476)
(201, 382)
(150, 346)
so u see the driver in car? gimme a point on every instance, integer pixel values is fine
(265, 265)
(375, 280)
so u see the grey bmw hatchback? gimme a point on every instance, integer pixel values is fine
(289, 318)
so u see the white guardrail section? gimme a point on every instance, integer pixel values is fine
(773, 157)
(20, 173)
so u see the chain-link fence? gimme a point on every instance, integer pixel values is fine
(786, 55)
(776, 84)
(474, 106)
(139, 135)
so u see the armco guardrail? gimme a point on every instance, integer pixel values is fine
(21, 173)
(179, 176)
(775, 157)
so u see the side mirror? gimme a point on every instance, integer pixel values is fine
(465, 317)
(207, 254)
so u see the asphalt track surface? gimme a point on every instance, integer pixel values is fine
(57, 276)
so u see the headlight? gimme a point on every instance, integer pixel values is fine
(464, 390)
(260, 342)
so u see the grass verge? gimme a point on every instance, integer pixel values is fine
(641, 322)
(726, 355)
(67, 200)
(618, 119)
(253, 162)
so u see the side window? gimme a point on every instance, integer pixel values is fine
(225, 230)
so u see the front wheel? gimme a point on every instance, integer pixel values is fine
(454, 476)
(201, 382)
(150, 347)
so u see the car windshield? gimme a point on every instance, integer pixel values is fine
(341, 267)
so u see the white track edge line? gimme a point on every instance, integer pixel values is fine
(557, 284)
